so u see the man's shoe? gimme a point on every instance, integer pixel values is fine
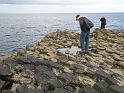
(88, 53)
(80, 52)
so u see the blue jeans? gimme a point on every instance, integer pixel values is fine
(84, 40)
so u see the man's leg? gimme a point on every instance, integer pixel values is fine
(102, 26)
(87, 41)
(82, 40)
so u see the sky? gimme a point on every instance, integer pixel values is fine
(61, 6)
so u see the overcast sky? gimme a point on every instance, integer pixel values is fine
(61, 6)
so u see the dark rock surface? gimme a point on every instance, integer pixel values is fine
(101, 74)
(117, 89)
(68, 78)
(102, 86)
(5, 71)
(88, 89)
(1, 84)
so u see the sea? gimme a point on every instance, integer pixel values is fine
(19, 30)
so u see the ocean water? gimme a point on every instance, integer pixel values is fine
(19, 30)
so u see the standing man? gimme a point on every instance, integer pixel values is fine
(103, 22)
(85, 26)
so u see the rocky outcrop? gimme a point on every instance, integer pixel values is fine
(56, 65)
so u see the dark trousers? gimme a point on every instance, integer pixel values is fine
(102, 25)
(84, 40)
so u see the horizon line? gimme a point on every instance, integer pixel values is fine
(61, 13)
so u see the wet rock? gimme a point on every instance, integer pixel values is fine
(116, 89)
(103, 75)
(69, 78)
(102, 86)
(5, 71)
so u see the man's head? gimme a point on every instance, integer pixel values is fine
(77, 17)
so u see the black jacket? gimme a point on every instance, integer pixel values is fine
(103, 20)
(83, 24)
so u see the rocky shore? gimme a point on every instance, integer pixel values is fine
(55, 65)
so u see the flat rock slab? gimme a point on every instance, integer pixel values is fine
(117, 89)
(69, 54)
(71, 51)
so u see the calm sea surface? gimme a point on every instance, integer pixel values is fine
(19, 30)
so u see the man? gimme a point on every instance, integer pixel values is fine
(85, 26)
(103, 22)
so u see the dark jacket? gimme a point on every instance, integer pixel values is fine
(83, 24)
(103, 21)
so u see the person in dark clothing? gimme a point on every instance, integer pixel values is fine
(84, 35)
(103, 22)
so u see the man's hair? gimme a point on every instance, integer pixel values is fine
(77, 16)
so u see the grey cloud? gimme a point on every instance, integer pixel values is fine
(50, 2)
